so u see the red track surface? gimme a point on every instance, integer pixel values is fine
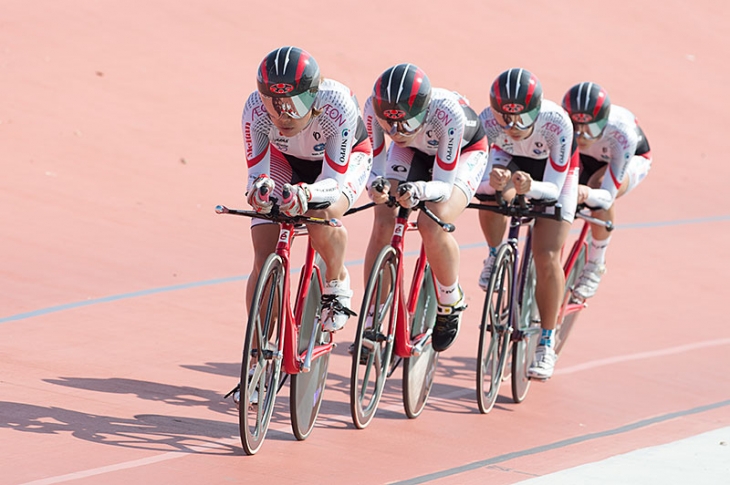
(119, 133)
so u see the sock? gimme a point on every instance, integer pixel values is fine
(547, 338)
(448, 295)
(597, 250)
(492, 251)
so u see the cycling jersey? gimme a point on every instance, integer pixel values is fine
(621, 141)
(451, 129)
(552, 148)
(330, 137)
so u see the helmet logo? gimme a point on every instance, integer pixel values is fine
(394, 114)
(281, 88)
(581, 117)
(513, 108)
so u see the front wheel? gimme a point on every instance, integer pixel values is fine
(261, 366)
(307, 388)
(373, 346)
(529, 331)
(495, 330)
(419, 369)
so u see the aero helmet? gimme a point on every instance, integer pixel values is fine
(288, 80)
(516, 96)
(588, 105)
(400, 99)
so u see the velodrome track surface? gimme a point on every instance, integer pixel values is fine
(121, 291)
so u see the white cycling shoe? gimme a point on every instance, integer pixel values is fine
(544, 364)
(589, 279)
(336, 300)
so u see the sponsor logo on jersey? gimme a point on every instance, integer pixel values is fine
(553, 128)
(443, 116)
(248, 140)
(317, 135)
(319, 148)
(334, 114)
(399, 168)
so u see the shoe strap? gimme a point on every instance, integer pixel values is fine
(333, 303)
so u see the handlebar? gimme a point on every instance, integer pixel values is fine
(521, 207)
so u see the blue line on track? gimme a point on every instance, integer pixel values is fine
(218, 281)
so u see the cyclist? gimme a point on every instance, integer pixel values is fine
(609, 141)
(532, 153)
(438, 154)
(304, 133)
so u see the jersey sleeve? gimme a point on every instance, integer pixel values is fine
(256, 125)
(563, 153)
(623, 141)
(448, 119)
(338, 121)
(377, 140)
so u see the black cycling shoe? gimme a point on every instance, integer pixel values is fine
(445, 331)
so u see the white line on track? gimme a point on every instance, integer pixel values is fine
(393, 407)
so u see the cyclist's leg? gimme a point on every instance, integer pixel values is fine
(590, 277)
(331, 242)
(547, 240)
(493, 225)
(442, 252)
(264, 237)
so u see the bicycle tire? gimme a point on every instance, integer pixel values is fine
(267, 307)
(495, 330)
(528, 326)
(370, 367)
(569, 318)
(307, 388)
(419, 370)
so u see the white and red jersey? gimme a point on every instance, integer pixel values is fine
(616, 146)
(328, 137)
(551, 140)
(446, 130)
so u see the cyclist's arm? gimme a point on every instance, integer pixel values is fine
(448, 155)
(622, 145)
(563, 155)
(377, 140)
(337, 150)
(255, 125)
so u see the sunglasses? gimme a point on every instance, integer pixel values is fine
(296, 107)
(521, 121)
(407, 127)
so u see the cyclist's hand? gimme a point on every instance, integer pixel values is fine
(379, 190)
(410, 193)
(258, 196)
(583, 193)
(522, 182)
(498, 178)
(295, 199)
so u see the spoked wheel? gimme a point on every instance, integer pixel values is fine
(373, 346)
(307, 388)
(419, 369)
(261, 367)
(571, 307)
(528, 327)
(496, 330)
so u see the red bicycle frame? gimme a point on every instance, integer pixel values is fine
(404, 346)
(293, 362)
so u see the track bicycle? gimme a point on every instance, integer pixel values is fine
(281, 337)
(510, 317)
(392, 322)
(573, 266)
